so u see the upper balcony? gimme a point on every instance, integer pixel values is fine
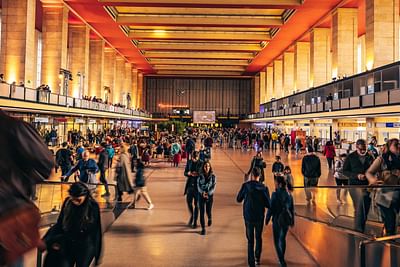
(369, 93)
(21, 98)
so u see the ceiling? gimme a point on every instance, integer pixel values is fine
(201, 37)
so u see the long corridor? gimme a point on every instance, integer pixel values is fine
(160, 237)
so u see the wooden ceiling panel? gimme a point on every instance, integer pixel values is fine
(194, 46)
(215, 62)
(198, 55)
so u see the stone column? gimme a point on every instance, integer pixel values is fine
(54, 44)
(78, 51)
(128, 82)
(361, 55)
(382, 32)
(278, 82)
(109, 72)
(135, 91)
(96, 68)
(263, 96)
(256, 94)
(301, 66)
(288, 73)
(320, 57)
(270, 82)
(344, 42)
(119, 80)
(18, 41)
(141, 95)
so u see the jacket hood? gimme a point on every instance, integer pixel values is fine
(253, 185)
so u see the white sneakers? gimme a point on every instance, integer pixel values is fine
(150, 207)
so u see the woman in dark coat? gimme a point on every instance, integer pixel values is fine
(76, 238)
(123, 173)
(282, 214)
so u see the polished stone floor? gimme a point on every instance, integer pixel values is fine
(160, 237)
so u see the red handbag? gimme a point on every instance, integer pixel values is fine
(19, 232)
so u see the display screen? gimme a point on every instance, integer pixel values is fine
(204, 116)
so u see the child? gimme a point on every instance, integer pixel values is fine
(287, 173)
(277, 167)
(340, 178)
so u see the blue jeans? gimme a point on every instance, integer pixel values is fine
(362, 203)
(280, 240)
(254, 231)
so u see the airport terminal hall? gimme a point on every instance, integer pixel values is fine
(199, 133)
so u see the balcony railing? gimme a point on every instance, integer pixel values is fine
(45, 97)
(389, 97)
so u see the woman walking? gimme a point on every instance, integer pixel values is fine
(206, 187)
(258, 161)
(282, 214)
(76, 238)
(330, 153)
(123, 173)
(140, 188)
(341, 179)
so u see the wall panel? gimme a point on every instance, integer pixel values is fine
(217, 94)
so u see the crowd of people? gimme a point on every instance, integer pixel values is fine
(128, 152)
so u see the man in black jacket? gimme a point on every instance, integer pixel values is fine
(354, 167)
(103, 166)
(311, 170)
(64, 158)
(192, 171)
(256, 200)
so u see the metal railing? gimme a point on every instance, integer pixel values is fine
(363, 244)
(46, 97)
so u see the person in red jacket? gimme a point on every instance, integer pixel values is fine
(329, 152)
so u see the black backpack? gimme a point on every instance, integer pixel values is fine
(285, 217)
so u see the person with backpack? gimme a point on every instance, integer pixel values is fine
(256, 199)
(282, 214)
(341, 179)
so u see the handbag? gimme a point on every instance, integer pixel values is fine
(20, 232)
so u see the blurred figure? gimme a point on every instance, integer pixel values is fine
(386, 170)
(134, 151)
(256, 200)
(76, 238)
(123, 173)
(340, 178)
(25, 161)
(282, 214)
(111, 154)
(355, 167)
(287, 174)
(140, 188)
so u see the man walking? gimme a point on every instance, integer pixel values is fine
(256, 199)
(354, 168)
(311, 170)
(103, 166)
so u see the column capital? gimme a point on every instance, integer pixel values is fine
(52, 3)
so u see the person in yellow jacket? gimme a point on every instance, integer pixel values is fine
(275, 141)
